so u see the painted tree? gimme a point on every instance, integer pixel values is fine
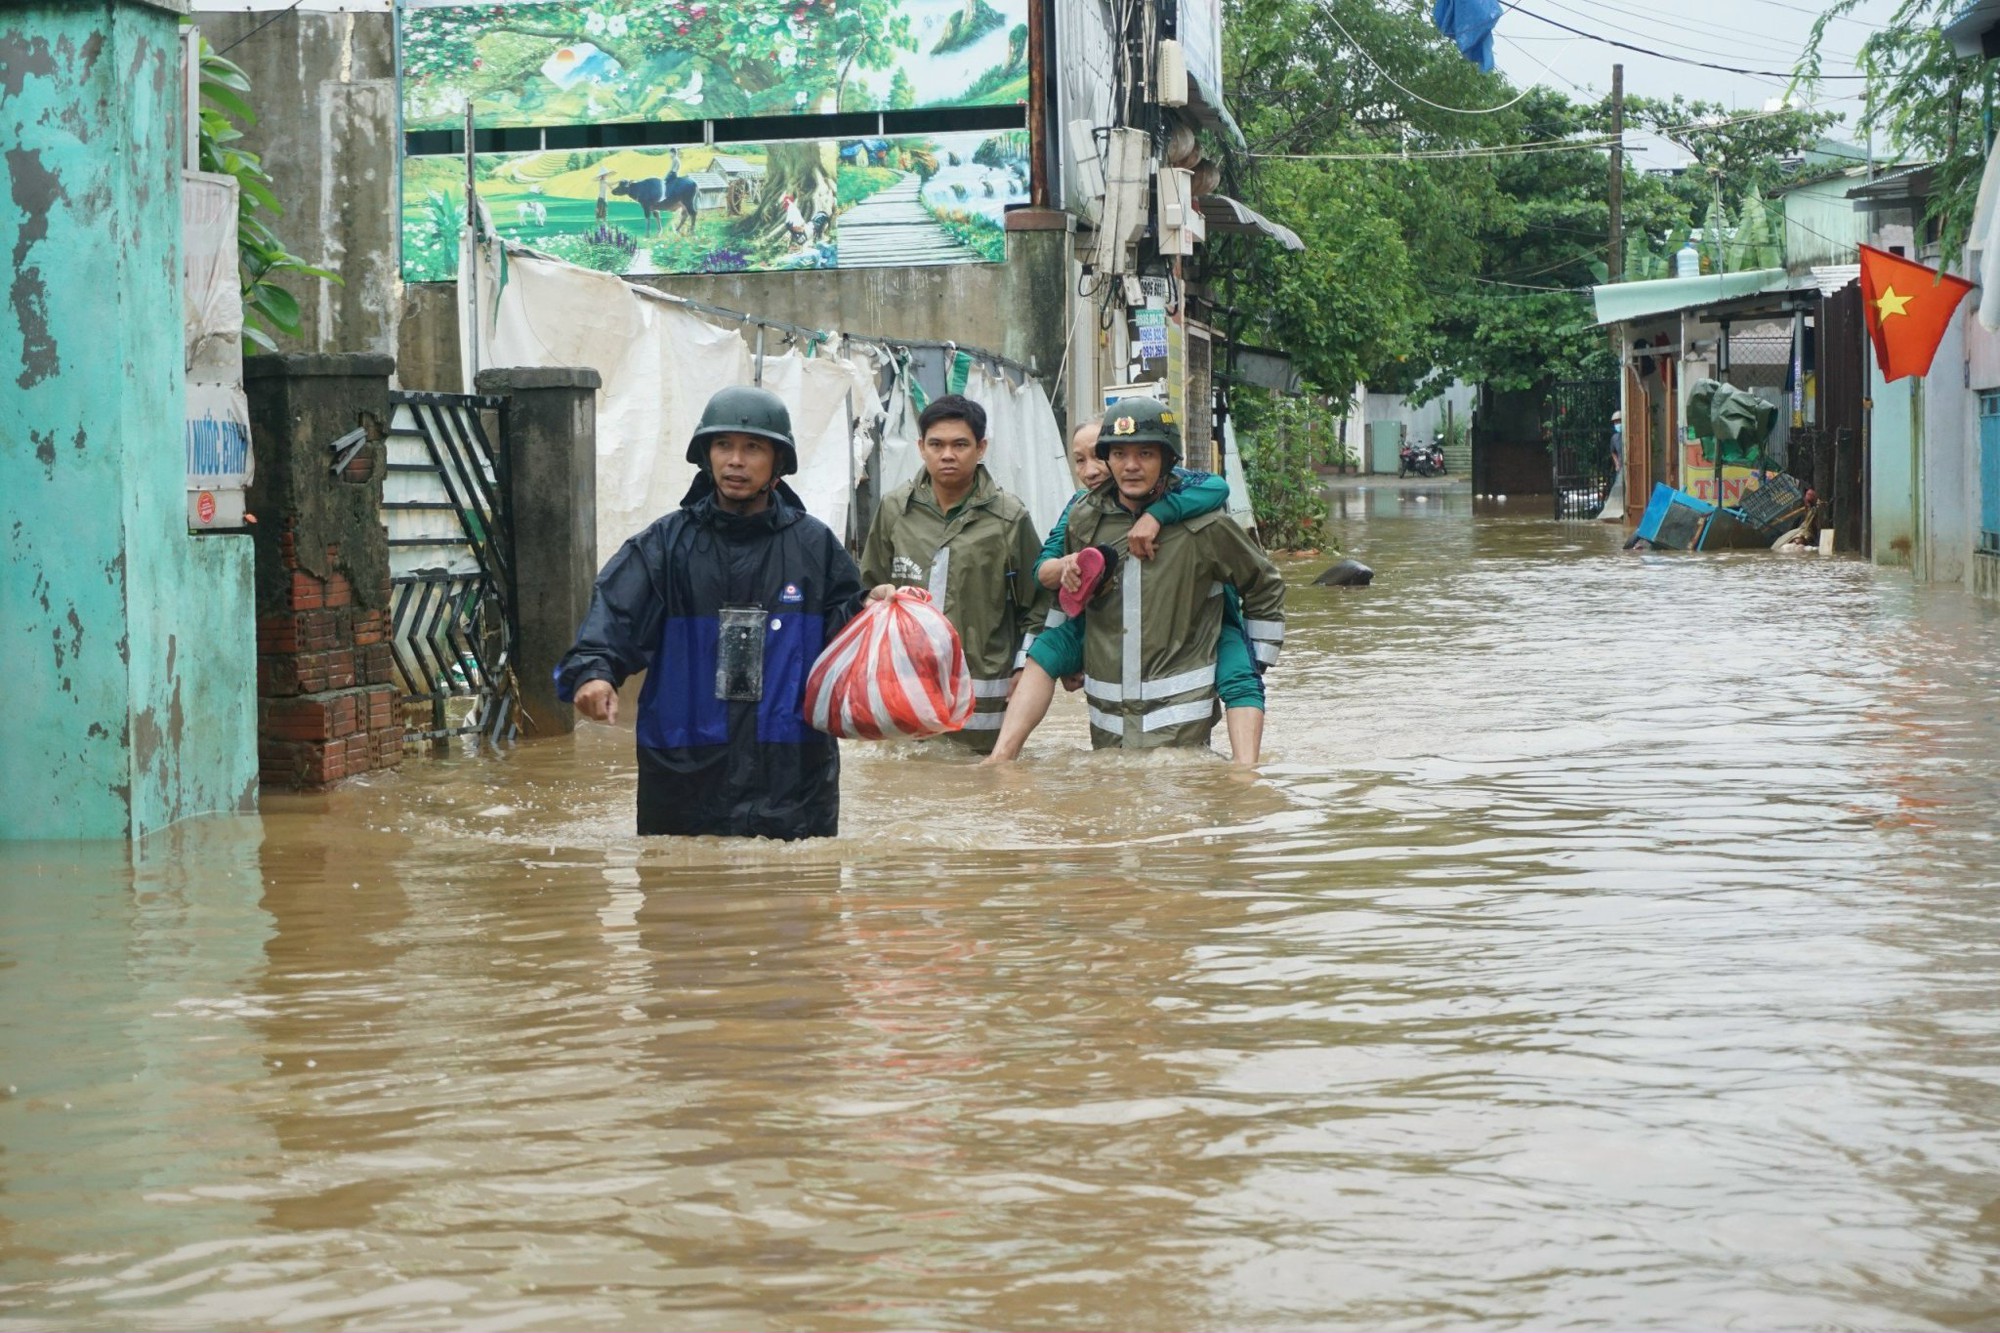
(788, 56)
(807, 48)
(902, 93)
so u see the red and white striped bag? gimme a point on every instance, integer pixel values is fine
(897, 669)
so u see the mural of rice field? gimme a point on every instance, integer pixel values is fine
(853, 203)
(528, 63)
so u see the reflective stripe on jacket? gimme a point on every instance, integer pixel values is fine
(977, 566)
(1150, 633)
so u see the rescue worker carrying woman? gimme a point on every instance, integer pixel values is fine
(725, 604)
(1152, 627)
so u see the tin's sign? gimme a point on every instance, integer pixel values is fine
(218, 416)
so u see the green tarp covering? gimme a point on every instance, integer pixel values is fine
(1724, 417)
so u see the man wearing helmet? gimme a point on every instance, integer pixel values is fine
(725, 604)
(1149, 640)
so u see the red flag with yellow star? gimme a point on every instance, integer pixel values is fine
(1909, 307)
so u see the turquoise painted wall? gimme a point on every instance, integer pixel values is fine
(1892, 471)
(129, 645)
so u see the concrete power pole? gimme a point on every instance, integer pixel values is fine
(1616, 260)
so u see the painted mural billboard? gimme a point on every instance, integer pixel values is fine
(528, 63)
(851, 203)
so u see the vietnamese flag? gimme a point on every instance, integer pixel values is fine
(1909, 307)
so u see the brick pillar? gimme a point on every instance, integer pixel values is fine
(551, 445)
(326, 704)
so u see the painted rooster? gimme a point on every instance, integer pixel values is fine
(801, 230)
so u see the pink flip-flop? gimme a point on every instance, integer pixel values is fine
(1093, 563)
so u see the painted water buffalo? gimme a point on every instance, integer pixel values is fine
(663, 194)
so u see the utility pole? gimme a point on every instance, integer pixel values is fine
(1615, 263)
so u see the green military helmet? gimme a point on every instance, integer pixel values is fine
(1140, 421)
(744, 410)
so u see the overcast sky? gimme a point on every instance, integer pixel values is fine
(1752, 34)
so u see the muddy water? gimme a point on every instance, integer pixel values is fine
(1611, 941)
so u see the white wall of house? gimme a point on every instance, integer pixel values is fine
(1425, 421)
(1948, 529)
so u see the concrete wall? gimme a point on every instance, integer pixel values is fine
(1948, 520)
(129, 644)
(1017, 309)
(324, 85)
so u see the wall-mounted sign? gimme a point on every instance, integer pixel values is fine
(525, 63)
(850, 203)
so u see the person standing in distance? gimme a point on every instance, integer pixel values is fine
(725, 604)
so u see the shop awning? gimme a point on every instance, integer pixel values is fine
(1620, 301)
(1206, 106)
(1224, 214)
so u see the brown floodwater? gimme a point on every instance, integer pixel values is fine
(1610, 940)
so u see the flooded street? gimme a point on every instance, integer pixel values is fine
(1609, 941)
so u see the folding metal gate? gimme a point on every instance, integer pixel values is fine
(451, 571)
(1577, 415)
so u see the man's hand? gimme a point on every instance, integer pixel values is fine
(597, 701)
(1073, 683)
(881, 592)
(1014, 680)
(1144, 539)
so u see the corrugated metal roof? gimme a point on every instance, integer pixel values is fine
(1224, 214)
(1619, 301)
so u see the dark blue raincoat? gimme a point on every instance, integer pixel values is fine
(706, 764)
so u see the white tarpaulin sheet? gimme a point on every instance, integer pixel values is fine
(660, 363)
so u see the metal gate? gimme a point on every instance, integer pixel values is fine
(1577, 417)
(451, 573)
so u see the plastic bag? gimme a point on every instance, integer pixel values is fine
(897, 669)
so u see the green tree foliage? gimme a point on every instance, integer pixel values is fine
(265, 262)
(1746, 152)
(902, 93)
(1925, 98)
(1755, 241)
(1282, 438)
(1422, 265)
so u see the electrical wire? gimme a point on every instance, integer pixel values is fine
(1546, 146)
(1546, 65)
(1407, 92)
(1771, 47)
(1662, 55)
(260, 27)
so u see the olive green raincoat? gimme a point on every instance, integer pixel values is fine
(1150, 635)
(978, 564)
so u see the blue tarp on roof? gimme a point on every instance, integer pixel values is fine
(1469, 23)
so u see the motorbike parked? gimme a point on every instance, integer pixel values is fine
(1418, 459)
